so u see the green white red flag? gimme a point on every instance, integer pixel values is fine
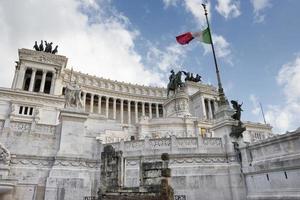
(203, 36)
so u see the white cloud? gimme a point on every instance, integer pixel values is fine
(286, 117)
(255, 104)
(95, 37)
(194, 7)
(222, 48)
(258, 7)
(228, 8)
(168, 3)
(170, 57)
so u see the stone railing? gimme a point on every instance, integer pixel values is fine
(170, 145)
(274, 152)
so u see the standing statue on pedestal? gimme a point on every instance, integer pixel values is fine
(174, 82)
(73, 96)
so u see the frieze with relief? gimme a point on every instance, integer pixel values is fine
(43, 57)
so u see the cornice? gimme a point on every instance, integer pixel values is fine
(43, 57)
(30, 97)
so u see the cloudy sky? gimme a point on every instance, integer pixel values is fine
(257, 44)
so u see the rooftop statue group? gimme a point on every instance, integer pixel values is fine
(175, 81)
(48, 47)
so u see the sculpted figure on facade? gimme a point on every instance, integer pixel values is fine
(238, 110)
(4, 155)
(73, 96)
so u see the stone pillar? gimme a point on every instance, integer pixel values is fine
(84, 100)
(114, 108)
(92, 104)
(53, 82)
(43, 81)
(157, 111)
(150, 110)
(13, 86)
(143, 108)
(209, 110)
(32, 79)
(107, 107)
(204, 109)
(122, 111)
(136, 111)
(20, 81)
(129, 112)
(99, 104)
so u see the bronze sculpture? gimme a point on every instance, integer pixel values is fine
(41, 47)
(237, 131)
(238, 110)
(48, 47)
(174, 82)
(36, 47)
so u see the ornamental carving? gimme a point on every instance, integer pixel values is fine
(186, 142)
(200, 160)
(160, 143)
(20, 127)
(42, 57)
(212, 141)
(4, 155)
(45, 129)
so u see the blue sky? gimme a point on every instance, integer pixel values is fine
(134, 41)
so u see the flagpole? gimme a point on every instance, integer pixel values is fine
(223, 100)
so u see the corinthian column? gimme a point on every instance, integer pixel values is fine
(99, 104)
(143, 109)
(136, 112)
(129, 112)
(157, 111)
(114, 108)
(92, 104)
(150, 110)
(43, 81)
(107, 107)
(32, 79)
(122, 111)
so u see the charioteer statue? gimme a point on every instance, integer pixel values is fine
(48, 47)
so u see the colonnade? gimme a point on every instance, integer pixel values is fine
(209, 108)
(39, 80)
(116, 108)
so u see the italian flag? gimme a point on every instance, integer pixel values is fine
(203, 36)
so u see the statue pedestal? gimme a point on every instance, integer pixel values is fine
(72, 133)
(177, 105)
(71, 176)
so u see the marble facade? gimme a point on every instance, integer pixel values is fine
(52, 152)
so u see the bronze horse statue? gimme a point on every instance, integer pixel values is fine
(175, 82)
